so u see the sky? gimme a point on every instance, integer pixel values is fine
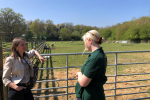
(100, 13)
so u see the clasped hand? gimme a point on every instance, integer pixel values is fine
(77, 74)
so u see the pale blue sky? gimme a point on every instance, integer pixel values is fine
(100, 13)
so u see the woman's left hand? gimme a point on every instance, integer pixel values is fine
(41, 59)
(77, 74)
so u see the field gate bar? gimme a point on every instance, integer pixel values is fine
(115, 76)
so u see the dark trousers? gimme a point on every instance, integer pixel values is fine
(24, 94)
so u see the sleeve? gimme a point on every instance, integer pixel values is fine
(7, 71)
(31, 53)
(91, 68)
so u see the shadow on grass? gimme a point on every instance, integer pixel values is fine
(39, 85)
(52, 76)
(47, 92)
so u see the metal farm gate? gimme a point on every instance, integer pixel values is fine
(115, 76)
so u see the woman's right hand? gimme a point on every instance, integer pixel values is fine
(19, 88)
(16, 87)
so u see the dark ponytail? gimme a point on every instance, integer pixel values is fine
(99, 41)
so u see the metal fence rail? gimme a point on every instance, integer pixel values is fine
(115, 83)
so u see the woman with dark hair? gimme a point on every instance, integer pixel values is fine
(18, 69)
(92, 76)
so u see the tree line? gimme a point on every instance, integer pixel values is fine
(14, 25)
(135, 30)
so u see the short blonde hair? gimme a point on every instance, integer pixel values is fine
(94, 35)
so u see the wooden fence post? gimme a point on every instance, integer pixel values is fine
(2, 87)
(27, 46)
(31, 44)
(1, 68)
(35, 42)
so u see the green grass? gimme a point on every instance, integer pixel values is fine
(78, 47)
(78, 60)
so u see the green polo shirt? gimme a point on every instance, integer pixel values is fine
(94, 68)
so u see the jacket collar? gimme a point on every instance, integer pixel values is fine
(27, 61)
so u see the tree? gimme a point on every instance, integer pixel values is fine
(122, 29)
(127, 34)
(28, 36)
(95, 28)
(37, 27)
(65, 34)
(86, 29)
(11, 24)
(144, 32)
(76, 35)
(77, 28)
(69, 26)
(133, 32)
(106, 33)
(51, 31)
(113, 34)
(28, 23)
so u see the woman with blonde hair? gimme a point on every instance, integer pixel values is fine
(92, 76)
(18, 69)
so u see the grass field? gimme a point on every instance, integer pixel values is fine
(78, 60)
